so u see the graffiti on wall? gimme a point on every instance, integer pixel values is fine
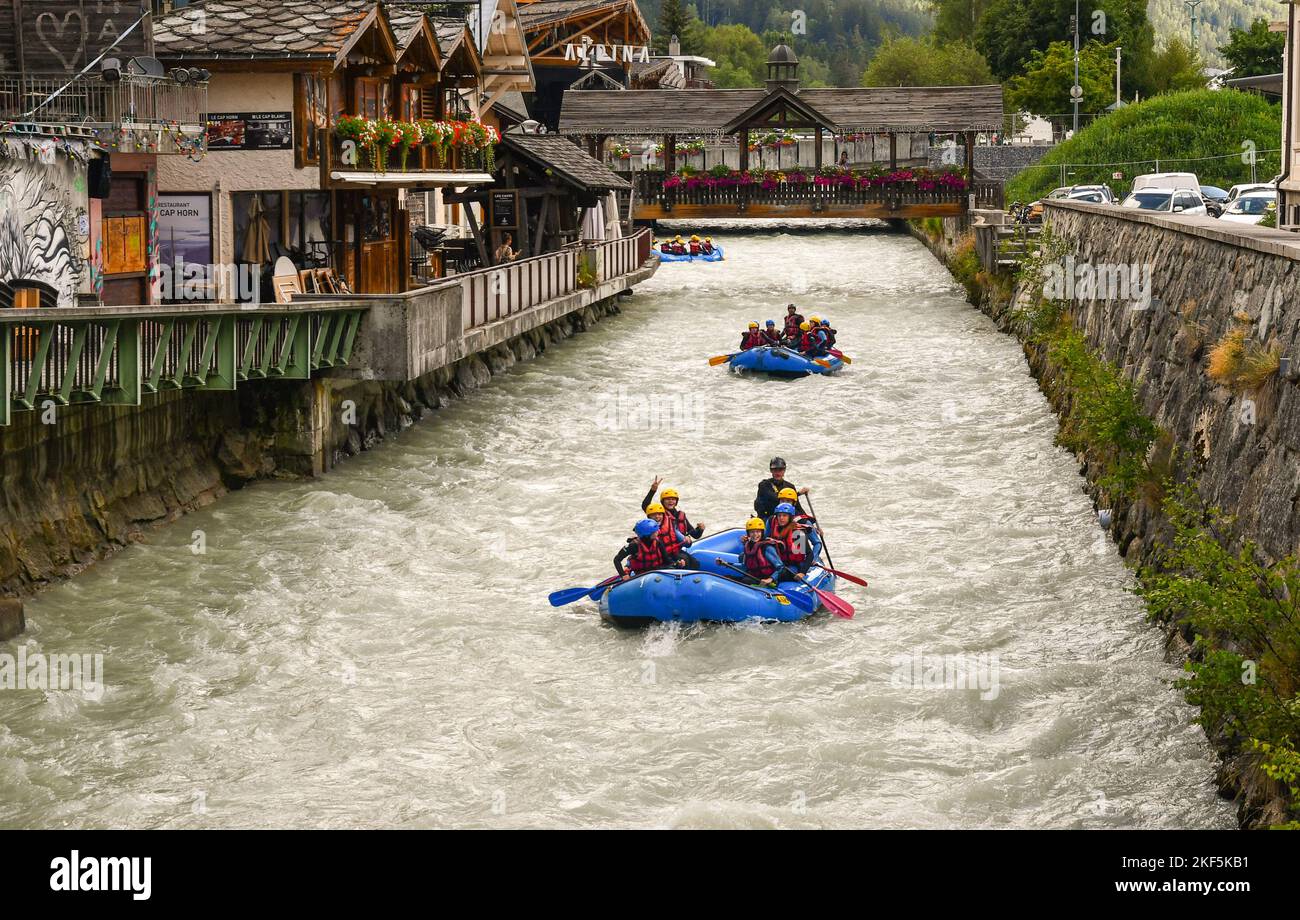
(44, 223)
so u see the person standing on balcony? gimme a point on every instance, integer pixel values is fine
(505, 252)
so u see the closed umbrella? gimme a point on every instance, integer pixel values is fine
(257, 244)
(613, 222)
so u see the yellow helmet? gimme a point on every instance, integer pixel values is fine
(805, 325)
(753, 325)
(669, 493)
(788, 495)
(655, 508)
(695, 239)
(679, 237)
(814, 320)
(756, 524)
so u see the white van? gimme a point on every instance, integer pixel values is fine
(1166, 180)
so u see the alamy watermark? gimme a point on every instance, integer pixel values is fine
(625, 409)
(83, 674)
(947, 672)
(1069, 279)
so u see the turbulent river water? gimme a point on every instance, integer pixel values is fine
(375, 648)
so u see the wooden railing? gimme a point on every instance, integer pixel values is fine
(650, 191)
(491, 294)
(615, 258)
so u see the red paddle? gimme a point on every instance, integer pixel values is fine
(836, 605)
(847, 577)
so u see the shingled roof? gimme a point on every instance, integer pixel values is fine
(706, 111)
(566, 159)
(259, 29)
(545, 12)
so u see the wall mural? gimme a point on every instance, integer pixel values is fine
(44, 222)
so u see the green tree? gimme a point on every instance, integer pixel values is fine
(1044, 87)
(674, 19)
(1174, 68)
(740, 54)
(915, 62)
(956, 20)
(1255, 51)
(1011, 31)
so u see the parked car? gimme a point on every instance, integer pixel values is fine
(1094, 194)
(1215, 199)
(1238, 190)
(1166, 180)
(1251, 207)
(1182, 201)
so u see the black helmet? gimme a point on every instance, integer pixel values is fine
(776, 464)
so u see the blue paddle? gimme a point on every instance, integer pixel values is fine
(569, 595)
(802, 601)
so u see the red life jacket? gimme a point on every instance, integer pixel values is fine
(665, 248)
(792, 325)
(808, 341)
(668, 538)
(771, 337)
(753, 339)
(789, 544)
(678, 516)
(707, 248)
(646, 558)
(756, 563)
(695, 249)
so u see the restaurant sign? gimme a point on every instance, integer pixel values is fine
(608, 54)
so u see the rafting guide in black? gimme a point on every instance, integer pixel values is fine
(769, 490)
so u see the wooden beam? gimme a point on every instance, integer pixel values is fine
(893, 150)
(539, 243)
(817, 154)
(478, 236)
(576, 37)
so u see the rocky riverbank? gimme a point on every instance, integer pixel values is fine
(1163, 353)
(100, 478)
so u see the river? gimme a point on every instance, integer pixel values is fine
(375, 648)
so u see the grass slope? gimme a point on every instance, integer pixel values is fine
(1177, 129)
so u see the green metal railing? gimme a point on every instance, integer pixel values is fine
(115, 355)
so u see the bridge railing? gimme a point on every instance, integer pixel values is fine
(650, 190)
(114, 355)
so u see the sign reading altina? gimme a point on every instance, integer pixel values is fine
(612, 54)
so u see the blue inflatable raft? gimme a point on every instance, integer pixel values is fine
(707, 595)
(782, 362)
(715, 256)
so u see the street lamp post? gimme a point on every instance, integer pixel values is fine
(1191, 10)
(1074, 90)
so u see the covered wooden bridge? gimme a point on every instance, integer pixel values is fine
(597, 115)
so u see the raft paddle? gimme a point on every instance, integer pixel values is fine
(721, 359)
(569, 595)
(847, 577)
(804, 603)
(836, 605)
(824, 546)
(841, 355)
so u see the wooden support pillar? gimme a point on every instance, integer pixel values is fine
(970, 159)
(540, 241)
(893, 150)
(744, 150)
(478, 236)
(670, 167)
(817, 156)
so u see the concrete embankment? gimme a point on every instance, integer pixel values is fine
(91, 479)
(1192, 285)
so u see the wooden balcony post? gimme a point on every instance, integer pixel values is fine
(817, 156)
(893, 150)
